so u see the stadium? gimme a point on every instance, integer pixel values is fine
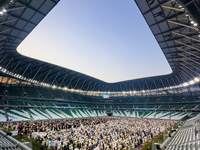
(159, 112)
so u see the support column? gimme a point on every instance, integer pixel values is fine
(30, 114)
(6, 115)
(48, 113)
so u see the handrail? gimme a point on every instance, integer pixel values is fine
(19, 144)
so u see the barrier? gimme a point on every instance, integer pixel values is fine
(20, 145)
(167, 141)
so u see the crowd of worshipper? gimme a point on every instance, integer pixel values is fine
(115, 133)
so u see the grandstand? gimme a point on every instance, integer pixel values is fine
(34, 90)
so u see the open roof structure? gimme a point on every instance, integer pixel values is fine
(174, 23)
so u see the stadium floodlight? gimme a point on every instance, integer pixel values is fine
(195, 24)
(4, 10)
(191, 82)
(185, 84)
(65, 88)
(196, 79)
(143, 91)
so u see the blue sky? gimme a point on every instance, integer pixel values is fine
(105, 39)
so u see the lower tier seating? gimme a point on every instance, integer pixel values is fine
(187, 137)
(5, 144)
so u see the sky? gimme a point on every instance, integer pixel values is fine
(106, 39)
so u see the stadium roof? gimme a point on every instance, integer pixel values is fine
(174, 23)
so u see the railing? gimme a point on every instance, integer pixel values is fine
(14, 141)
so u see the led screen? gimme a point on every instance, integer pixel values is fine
(106, 96)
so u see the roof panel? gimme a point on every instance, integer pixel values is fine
(37, 18)
(14, 32)
(163, 26)
(21, 24)
(144, 7)
(155, 29)
(150, 18)
(45, 7)
(36, 4)
(23, 34)
(28, 14)
(29, 27)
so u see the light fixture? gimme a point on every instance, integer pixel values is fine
(4, 10)
(195, 24)
(196, 79)
(185, 84)
(191, 82)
